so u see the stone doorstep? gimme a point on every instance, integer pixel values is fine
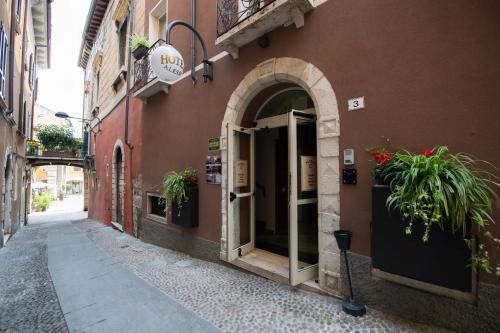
(275, 268)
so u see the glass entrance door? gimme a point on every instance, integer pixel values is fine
(241, 191)
(303, 205)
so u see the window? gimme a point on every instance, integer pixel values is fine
(23, 121)
(18, 9)
(122, 42)
(32, 71)
(157, 207)
(4, 45)
(158, 21)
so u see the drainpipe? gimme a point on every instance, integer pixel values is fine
(129, 65)
(127, 108)
(193, 51)
(12, 42)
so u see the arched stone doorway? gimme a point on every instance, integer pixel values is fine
(118, 186)
(7, 197)
(312, 80)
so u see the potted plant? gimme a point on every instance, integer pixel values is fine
(140, 46)
(33, 147)
(42, 201)
(427, 210)
(181, 189)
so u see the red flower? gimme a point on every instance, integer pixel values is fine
(193, 179)
(185, 179)
(426, 152)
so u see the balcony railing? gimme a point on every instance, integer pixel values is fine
(240, 22)
(143, 71)
(231, 12)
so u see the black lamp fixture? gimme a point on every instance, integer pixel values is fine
(349, 305)
(208, 73)
(64, 115)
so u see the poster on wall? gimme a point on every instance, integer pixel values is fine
(241, 173)
(308, 179)
(213, 168)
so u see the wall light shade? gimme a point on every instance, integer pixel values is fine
(63, 115)
(167, 63)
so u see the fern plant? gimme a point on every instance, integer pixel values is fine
(176, 183)
(439, 187)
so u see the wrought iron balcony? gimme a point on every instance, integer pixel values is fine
(241, 21)
(231, 12)
(146, 83)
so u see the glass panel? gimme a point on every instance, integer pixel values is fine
(307, 225)
(242, 185)
(284, 102)
(306, 160)
(162, 26)
(307, 206)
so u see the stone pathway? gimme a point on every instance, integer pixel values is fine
(235, 301)
(28, 300)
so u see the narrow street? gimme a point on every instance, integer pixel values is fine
(67, 273)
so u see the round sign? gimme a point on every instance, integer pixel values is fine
(167, 63)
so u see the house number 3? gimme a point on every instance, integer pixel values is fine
(356, 103)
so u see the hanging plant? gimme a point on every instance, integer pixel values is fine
(436, 187)
(175, 185)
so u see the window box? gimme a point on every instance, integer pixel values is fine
(187, 214)
(241, 21)
(440, 265)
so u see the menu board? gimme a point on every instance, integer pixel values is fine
(240, 173)
(213, 168)
(308, 168)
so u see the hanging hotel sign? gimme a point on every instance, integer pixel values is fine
(241, 173)
(308, 179)
(167, 63)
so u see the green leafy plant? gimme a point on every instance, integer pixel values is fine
(137, 41)
(176, 183)
(56, 137)
(43, 200)
(436, 187)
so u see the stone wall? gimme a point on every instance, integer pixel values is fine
(481, 316)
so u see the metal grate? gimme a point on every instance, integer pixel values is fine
(232, 12)
(143, 71)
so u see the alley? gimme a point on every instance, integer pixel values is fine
(81, 276)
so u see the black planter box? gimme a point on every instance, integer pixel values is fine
(187, 216)
(140, 52)
(444, 260)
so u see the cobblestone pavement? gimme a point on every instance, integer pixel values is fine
(235, 301)
(28, 301)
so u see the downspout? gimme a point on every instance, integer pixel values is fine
(12, 43)
(23, 57)
(129, 65)
(127, 108)
(193, 50)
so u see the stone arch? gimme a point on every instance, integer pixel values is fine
(311, 79)
(118, 184)
(7, 189)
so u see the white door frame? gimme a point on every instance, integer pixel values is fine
(296, 275)
(234, 251)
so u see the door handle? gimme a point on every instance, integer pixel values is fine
(232, 196)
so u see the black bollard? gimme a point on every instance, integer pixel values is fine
(349, 305)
